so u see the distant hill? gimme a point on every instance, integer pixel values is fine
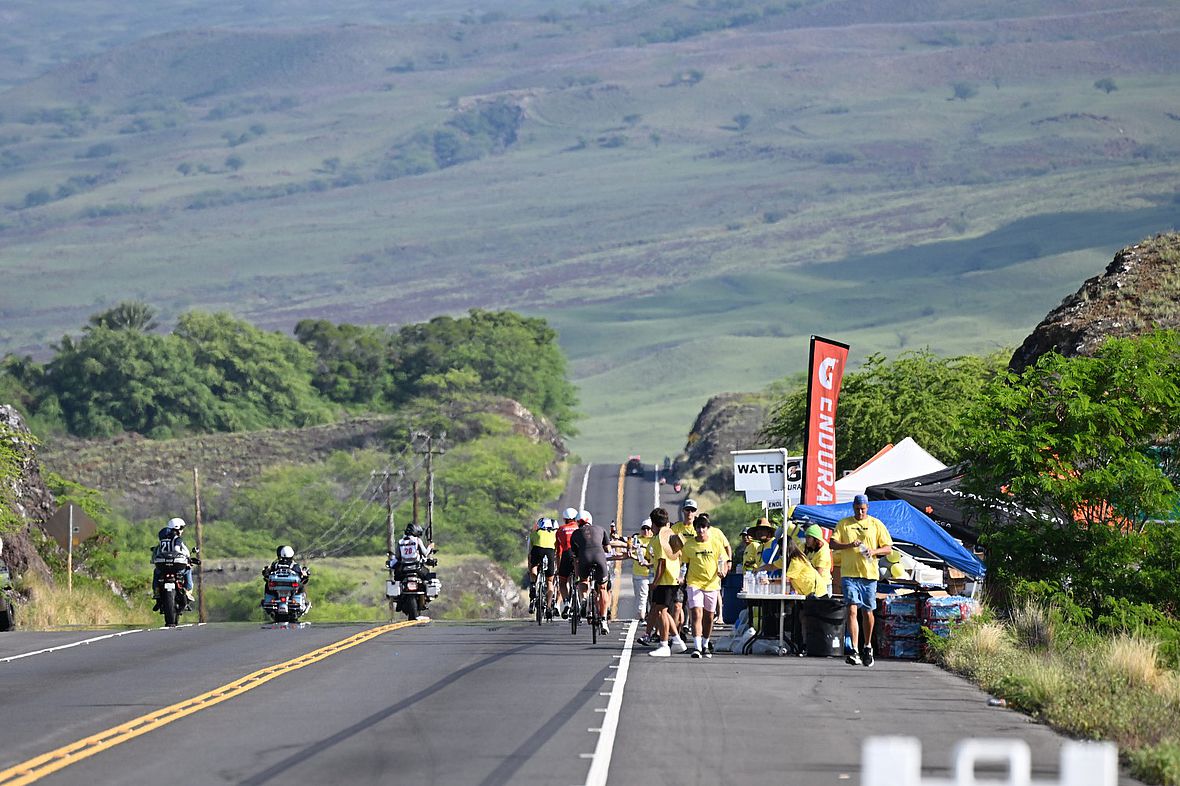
(687, 192)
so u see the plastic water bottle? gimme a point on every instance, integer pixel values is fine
(763, 583)
(863, 549)
(748, 582)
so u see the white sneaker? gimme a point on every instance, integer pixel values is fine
(603, 629)
(662, 651)
(679, 646)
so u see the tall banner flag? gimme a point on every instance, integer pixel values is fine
(825, 373)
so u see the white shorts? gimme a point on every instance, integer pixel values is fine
(706, 599)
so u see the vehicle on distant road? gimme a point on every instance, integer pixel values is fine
(634, 465)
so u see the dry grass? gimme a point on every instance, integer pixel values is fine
(89, 604)
(1032, 624)
(1134, 661)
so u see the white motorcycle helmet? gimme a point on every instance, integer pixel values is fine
(177, 524)
(570, 514)
(586, 517)
(286, 552)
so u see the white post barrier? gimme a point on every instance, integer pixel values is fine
(897, 761)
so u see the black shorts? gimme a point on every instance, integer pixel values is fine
(596, 563)
(565, 566)
(538, 553)
(667, 595)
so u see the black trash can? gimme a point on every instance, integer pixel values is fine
(823, 627)
(731, 605)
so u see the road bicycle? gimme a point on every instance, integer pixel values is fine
(544, 611)
(575, 606)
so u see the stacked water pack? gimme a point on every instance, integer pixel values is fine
(899, 626)
(941, 615)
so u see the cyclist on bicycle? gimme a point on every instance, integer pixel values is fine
(590, 545)
(565, 559)
(542, 545)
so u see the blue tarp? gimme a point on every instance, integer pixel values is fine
(905, 523)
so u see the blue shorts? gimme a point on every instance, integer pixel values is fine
(859, 592)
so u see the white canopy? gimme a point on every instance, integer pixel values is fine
(906, 459)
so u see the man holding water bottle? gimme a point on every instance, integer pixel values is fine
(860, 539)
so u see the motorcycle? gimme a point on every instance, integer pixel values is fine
(284, 597)
(7, 609)
(412, 587)
(169, 583)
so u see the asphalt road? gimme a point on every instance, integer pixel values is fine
(452, 703)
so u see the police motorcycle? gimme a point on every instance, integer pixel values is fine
(7, 608)
(284, 592)
(172, 563)
(411, 585)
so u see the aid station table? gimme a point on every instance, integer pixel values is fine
(783, 600)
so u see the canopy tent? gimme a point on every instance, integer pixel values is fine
(937, 495)
(905, 523)
(906, 459)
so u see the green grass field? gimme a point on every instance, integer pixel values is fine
(691, 193)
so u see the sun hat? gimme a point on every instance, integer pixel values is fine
(813, 531)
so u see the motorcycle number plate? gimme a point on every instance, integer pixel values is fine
(168, 585)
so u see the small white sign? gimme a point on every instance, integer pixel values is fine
(765, 474)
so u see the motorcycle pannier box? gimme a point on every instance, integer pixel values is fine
(393, 589)
(433, 587)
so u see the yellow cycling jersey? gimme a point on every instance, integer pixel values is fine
(544, 538)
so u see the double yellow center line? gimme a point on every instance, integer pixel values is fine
(36, 768)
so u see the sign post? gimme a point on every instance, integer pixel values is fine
(70, 525)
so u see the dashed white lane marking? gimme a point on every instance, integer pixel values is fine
(60, 647)
(600, 763)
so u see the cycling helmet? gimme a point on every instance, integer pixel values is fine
(414, 530)
(585, 516)
(176, 524)
(570, 514)
(285, 552)
(546, 523)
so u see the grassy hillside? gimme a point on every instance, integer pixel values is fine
(688, 192)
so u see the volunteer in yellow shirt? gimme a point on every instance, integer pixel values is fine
(706, 556)
(860, 539)
(819, 554)
(640, 568)
(665, 588)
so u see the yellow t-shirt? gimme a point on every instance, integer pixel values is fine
(869, 531)
(821, 560)
(671, 574)
(643, 551)
(701, 558)
(805, 579)
(545, 538)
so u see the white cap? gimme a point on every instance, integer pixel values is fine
(688, 503)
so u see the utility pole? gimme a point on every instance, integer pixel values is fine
(200, 545)
(430, 452)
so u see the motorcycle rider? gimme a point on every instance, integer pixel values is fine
(284, 561)
(171, 547)
(411, 554)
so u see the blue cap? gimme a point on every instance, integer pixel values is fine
(860, 499)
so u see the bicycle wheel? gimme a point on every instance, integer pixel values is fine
(592, 614)
(539, 599)
(575, 610)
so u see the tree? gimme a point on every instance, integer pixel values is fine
(128, 315)
(1106, 85)
(917, 395)
(235, 163)
(263, 379)
(352, 362)
(1061, 458)
(742, 121)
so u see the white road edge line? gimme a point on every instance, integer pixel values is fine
(585, 483)
(11, 658)
(600, 765)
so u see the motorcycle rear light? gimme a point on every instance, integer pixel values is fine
(295, 585)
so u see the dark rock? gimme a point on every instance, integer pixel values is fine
(730, 421)
(33, 504)
(1139, 291)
